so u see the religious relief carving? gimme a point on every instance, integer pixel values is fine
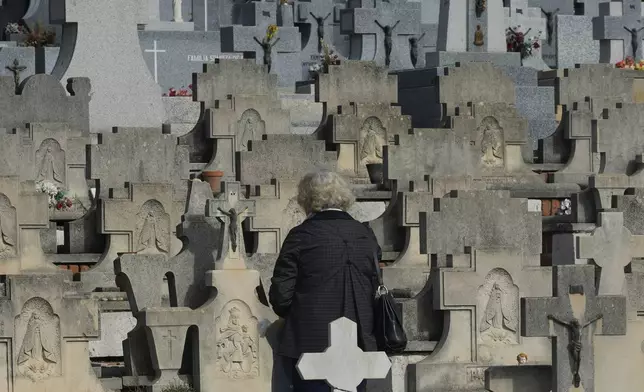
(491, 135)
(498, 299)
(50, 162)
(373, 136)
(292, 215)
(251, 127)
(237, 341)
(39, 355)
(478, 36)
(152, 234)
(8, 228)
(635, 39)
(233, 224)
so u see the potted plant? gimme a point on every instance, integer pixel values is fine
(375, 169)
(213, 177)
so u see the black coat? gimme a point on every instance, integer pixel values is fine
(325, 271)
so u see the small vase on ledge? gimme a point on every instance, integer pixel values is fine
(375, 171)
(213, 177)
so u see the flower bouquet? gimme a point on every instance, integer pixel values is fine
(327, 57)
(519, 42)
(172, 92)
(270, 33)
(15, 28)
(59, 199)
(630, 63)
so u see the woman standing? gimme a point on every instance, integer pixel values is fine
(325, 271)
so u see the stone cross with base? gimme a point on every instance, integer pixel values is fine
(573, 316)
(343, 365)
(612, 247)
(626, 27)
(231, 210)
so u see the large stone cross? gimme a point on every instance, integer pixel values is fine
(627, 27)
(612, 247)
(573, 316)
(343, 365)
(231, 210)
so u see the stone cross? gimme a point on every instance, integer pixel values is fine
(343, 365)
(231, 209)
(16, 69)
(390, 45)
(626, 27)
(155, 52)
(461, 30)
(573, 315)
(317, 17)
(612, 247)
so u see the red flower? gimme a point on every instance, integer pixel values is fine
(190, 86)
(59, 206)
(69, 203)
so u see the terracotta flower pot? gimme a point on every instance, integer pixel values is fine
(213, 177)
(375, 171)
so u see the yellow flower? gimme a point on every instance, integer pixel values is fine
(271, 31)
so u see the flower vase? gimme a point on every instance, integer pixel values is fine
(213, 177)
(375, 171)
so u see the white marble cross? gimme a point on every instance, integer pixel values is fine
(343, 365)
(156, 52)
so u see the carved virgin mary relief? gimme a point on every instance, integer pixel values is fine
(237, 342)
(152, 233)
(249, 127)
(498, 308)
(38, 355)
(8, 229)
(491, 136)
(373, 136)
(50, 162)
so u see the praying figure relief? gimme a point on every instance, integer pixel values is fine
(550, 23)
(237, 341)
(320, 21)
(635, 39)
(251, 124)
(388, 30)
(498, 298)
(373, 136)
(413, 49)
(152, 234)
(575, 331)
(491, 135)
(267, 48)
(39, 355)
(233, 224)
(8, 228)
(50, 162)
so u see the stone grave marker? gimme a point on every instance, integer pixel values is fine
(127, 93)
(574, 315)
(343, 364)
(248, 36)
(316, 22)
(44, 330)
(626, 27)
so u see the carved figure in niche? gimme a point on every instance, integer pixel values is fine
(373, 138)
(478, 36)
(480, 7)
(388, 30)
(233, 217)
(250, 123)
(499, 299)
(237, 351)
(40, 349)
(550, 23)
(635, 39)
(8, 228)
(320, 21)
(152, 233)
(491, 141)
(413, 49)
(575, 330)
(50, 159)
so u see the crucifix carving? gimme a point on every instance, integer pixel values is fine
(413, 48)
(16, 69)
(320, 21)
(635, 39)
(550, 22)
(233, 217)
(267, 48)
(388, 30)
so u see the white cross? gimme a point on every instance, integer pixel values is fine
(343, 365)
(156, 68)
(205, 15)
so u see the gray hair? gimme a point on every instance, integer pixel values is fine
(324, 189)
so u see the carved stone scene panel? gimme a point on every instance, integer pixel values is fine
(249, 127)
(37, 329)
(153, 229)
(8, 229)
(50, 163)
(498, 309)
(491, 143)
(373, 136)
(237, 338)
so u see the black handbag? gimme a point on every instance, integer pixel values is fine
(389, 331)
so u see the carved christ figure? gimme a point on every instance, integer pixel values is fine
(267, 47)
(37, 355)
(233, 216)
(250, 125)
(176, 4)
(371, 147)
(49, 170)
(550, 23)
(413, 49)
(320, 21)
(495, 316)
(635, 39)
(388, 30)
(575, 330)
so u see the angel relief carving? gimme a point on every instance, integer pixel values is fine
(50, 162)
(39, 354)
(152, 234)
(8, 228)
(373, 136)
(237, 341)
(498, 300)
(251, 127)
(492, 145)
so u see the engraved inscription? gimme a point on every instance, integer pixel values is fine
(237, 342)
(251, 128)
(50, 162)
(39, 351)
(373, 136)
(498, 300)
(152, 234)
(491, 135)
(476, 375)
(8, 228)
